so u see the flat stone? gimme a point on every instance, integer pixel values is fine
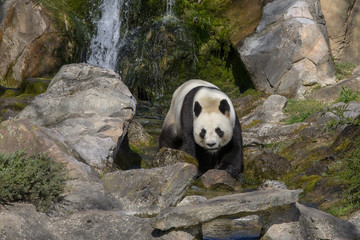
(185, 216)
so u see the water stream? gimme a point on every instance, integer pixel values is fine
(105, 44)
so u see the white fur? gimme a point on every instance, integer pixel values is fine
(210, 117)
(172, 118)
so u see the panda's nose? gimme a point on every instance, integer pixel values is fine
(211, 144)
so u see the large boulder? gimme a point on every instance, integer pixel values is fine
(28, 39)
(342, 21)
(89, 107)
(147, 191)
(289, 53)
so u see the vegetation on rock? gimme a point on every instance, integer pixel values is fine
(36, 179)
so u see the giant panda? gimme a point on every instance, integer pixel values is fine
(202, 122)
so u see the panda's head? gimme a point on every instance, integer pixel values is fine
(212, 124)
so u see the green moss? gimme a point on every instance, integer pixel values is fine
(307, 183)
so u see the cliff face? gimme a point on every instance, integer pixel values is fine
(342, 21)
(30, 44)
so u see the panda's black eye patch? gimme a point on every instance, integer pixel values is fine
(219, 132)
(202, 133)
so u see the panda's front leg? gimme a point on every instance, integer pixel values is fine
(189, 145)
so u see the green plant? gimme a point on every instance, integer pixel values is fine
(344, 70)
(341, 119)
(352, 175)
(36, 179)
(347, 95)
(299, 110)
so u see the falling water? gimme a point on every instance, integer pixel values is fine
(104, 45)
(169, 7)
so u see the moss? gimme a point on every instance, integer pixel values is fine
(252, 124)
(307, 183)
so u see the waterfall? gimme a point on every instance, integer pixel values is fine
(169, 6)
(104, 45)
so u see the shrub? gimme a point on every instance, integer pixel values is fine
(35, 179)
(347, 95)
(344, 70)
(299, 110)
(353, 176)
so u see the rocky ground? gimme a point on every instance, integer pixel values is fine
(82, 120)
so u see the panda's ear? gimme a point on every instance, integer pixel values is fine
(197, 108)
(224, 106)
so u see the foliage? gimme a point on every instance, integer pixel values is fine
(341, 119)
(299, 110)
(347, 95)
(215, 71)
(344, 70)
(352, 175)
(36, 179)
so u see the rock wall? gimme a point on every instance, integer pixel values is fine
(342, 21)
(289, 53)
(28, 40)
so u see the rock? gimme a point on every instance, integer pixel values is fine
(84, 189)
(284, 231)
(137, 134)
(169, 156)
(192, 200)
(219, 179)
(248, 227)
(289, 51)
(320, 225)
(97, 224)
(271, 111)
(265, 164)
(148, 191)
(266, 133)
(28, 39)
(22, 221)
(331, 93)
(190, 215)
(89, 107)
(342, 19)
(272, 184)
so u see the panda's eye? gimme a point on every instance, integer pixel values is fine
(219, 132)
(202, 133)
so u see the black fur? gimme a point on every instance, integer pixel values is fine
(229, 157)
(197, 109)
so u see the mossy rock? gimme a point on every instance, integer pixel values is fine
(168, 156)
(35, 86)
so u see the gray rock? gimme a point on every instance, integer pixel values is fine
(22, 221)
(219, 179)
(89, 107)
(190, 215)
(97, 224)
(342, 21)
(238, 228)
(192, 200)
(289, 52)
(266, 133)
(137, 134)
(168, 156)
(284, 231)
(331, 93)
(320, 225)
(272, 184)
(148, 191)
(271, 111)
